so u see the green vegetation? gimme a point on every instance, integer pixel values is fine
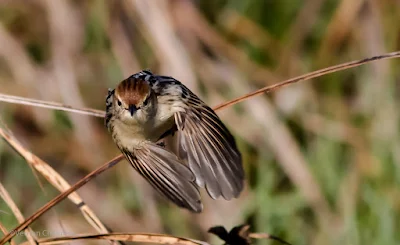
(322, 157)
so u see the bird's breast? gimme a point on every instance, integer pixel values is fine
(134, 135)
(127, 136)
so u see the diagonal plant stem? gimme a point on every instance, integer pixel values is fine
(50, 105)
(111, 163)
(309, 76)
(4, 230)
(10, 202)
(267, 89)
(54, 178)
(129, 237)
(144, 238)
(60, 197)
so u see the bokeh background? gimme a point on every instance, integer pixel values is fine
(322, 157)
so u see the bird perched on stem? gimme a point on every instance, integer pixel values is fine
(145, 108)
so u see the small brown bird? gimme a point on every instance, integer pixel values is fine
(145, 108)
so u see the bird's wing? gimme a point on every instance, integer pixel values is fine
(209, 148)
(204, 141)
(166, 174)
(109, 104)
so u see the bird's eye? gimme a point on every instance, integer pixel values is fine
(119, 103)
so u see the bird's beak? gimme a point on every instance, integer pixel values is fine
(132, 109)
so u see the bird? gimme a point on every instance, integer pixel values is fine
(240, 235)
(144, 109)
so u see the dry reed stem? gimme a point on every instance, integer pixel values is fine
(128, 237)
(337, 131)
(55, 179)
(14, 208)
(4, 230)
(156, 26)
(124, 54)
(122, 47)
(375, 97)
(282, 144)
(98, 113)
(144, 237)
(203, 30)
(339, 27)
(276, 137)
(25, 71)
(60, 197)
(13, 52)
(297, 33)
(334, 130)
(309, 76)
(118, 158)
(348, 191)
(66, 35)
(50, 105)
(247, 29)
(372, 33)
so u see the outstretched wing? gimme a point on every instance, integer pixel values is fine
(167, 175)
(204, 141)
(210, 150)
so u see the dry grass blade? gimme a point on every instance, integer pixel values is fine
(200, 28)
(129, 237)
(267, 89)
(50, 105)
(156, 25)
(308, 76)
(55, 179)
(58, 106)
(65, 33)
(61, 197)
(9, 201)
(4, 230)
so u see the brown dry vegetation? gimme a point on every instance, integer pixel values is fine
(322, 157)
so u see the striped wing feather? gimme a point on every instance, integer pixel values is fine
(209, 148)
(204, 142)
(167, 175)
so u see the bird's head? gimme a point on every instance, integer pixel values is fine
(134, 100)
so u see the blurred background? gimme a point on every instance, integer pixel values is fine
(322, 157)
